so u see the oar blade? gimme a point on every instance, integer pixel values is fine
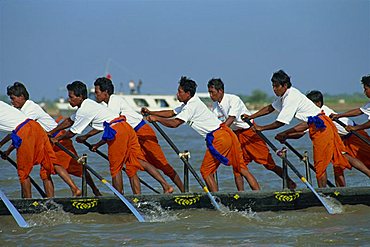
(139, 217)
(329, 209)
(16, 215)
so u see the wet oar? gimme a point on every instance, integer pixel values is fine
(303, 179)
(300, 156)
(186, 162)
(16, 215)
(37, 187)
(353, 132)
(124, 169)
(120, 196)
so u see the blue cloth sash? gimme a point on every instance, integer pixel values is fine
(213, 151)
(16, 140)
(317, 121)
(56, 133)
(109, 133)
(141, 124)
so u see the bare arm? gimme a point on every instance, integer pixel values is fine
(163, 114)
(272, 126)
(168, 122)
(299, 128)
(5, 140)
(350, 113)
(229, 121)
(264, 111)
(82, 138)
(66, 123)
(365, 125)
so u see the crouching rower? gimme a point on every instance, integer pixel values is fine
(19, 98)
(290, 102)
(123, 145)
(222, 144)
(33, 147)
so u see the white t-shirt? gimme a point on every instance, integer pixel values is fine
(346, 121)
(196, 114)
(93, 114)
(366, 109)
(120, 106)
(10, 117)
(35, 112)
(231, 105)
(294, 104)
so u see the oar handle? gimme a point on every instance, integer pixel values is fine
(353, 132)
(303, 179)
(37, 187)
(300, 156)
(125, 201)
(186, 162)
(124, 169)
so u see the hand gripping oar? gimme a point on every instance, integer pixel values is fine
(186, 162)
(303, 179)
(120, 196)
(353, 132)
(124, 169)
(37, 187)
(16, 215)
(300, 156)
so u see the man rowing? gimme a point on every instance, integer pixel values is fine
(365, 80)
(33, 147)
(290, 102)
(357, 151)
(229, 108)
(19, 97)
(222, 144)
(104, 92)
(123, 145)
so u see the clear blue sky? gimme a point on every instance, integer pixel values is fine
(322, 44)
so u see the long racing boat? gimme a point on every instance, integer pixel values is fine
(255, 201)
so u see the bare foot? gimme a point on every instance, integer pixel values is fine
(168, 190)
(76, 192)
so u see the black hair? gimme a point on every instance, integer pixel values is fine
(281, 78)
(78, 88)
(216, 83)
(18, 89)
(315, 96)
(188, 85)
(105, 85)
(365, 80)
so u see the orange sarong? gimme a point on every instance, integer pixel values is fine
(35, 149)
(227, 144)
(254, 148)
(358, 148)
(327, 147)
(124, 149)
(152, 150)
(65, 160)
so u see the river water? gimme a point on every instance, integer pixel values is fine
(309, 227)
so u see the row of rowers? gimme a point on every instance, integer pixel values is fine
(133, 143)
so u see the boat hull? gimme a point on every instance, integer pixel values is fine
(242, 201)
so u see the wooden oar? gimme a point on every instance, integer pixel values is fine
(300, 156)
(16, 215)
(303, 179)
(124, 169)
(353, 132)
(186, 162)
(120, 196)
(37, 187)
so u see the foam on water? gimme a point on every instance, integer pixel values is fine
(50, 217)
(152, 212)
(335, 206)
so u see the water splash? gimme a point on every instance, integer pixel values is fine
(52, 216)
(335, 206)
(153, 212)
